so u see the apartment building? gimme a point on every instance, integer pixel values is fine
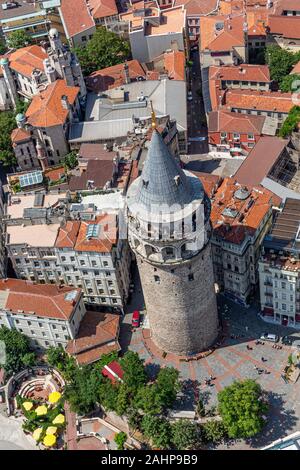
(235, 133)
(47, 121)
(284, 25)
(30, 16)
(194, 10)
(279, 268)
(223, 40)
(29, 70)
(232, 77)
(78, 28)
(87, 254)
(92, 256)
(240, 216)
(261, 103)
(49, 315)
(153, 31)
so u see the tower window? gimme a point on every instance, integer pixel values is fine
(157, 279)
(191, 277)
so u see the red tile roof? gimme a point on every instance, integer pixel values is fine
(174, 63)
(231, 35)
(282, 5)
(44, 300)
(102, 8)
(95, 152)
(74, 235)
(243, 72)
(97, 170)
(260, 160)
(46, 109)
(18, 135)
(286, 26)
(114, 76)
(76, 18)
(296, 68)
(259, 100)
(27, 59)
(106, 238)
(97, 335)
(246, 220)
(196, 7)
(224, 121)
(67, 234)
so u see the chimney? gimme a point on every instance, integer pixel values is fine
(126, 74)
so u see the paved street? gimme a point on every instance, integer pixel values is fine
(229, 362)
(12, 436)
(196, 114)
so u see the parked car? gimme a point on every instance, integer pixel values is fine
(287, 340)
(270, 337)
(136, 318)
(190, 96)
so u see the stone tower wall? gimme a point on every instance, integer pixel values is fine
(182, 312)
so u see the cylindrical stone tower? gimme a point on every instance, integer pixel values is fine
(169, 231)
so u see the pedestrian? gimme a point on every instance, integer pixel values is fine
(246, 328)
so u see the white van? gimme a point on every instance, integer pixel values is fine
(270, 337)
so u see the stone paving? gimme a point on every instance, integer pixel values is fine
(231, 361)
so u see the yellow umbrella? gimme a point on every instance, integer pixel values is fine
(41, 410)
(60, 419)
(51, 430)
(54, 397)
(27, 405)
(49, 440)
(37, 434)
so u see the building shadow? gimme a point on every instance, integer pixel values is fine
(207, 166)
(280, 422)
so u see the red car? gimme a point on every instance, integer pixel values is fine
(135, 322)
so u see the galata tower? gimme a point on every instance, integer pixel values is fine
(169, 232)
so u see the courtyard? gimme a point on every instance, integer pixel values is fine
(238, 357)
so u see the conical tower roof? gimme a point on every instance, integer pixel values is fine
(162, 180)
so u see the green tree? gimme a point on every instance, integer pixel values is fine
(70, 161)
(120, 439)
(134, 418)
(290, 122)
(213, 431)
(280, 62)
(122, 400)
(103, 50)
(17, 347)
(290, 83)
(108, 394)
(3, 47)
(7, 125)
(134, 371)
(185, 434)
(168, 385)
(82, 391)
(149, 400)
(18, 39)
(157, 430)
(29, 359)
(242, 408)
